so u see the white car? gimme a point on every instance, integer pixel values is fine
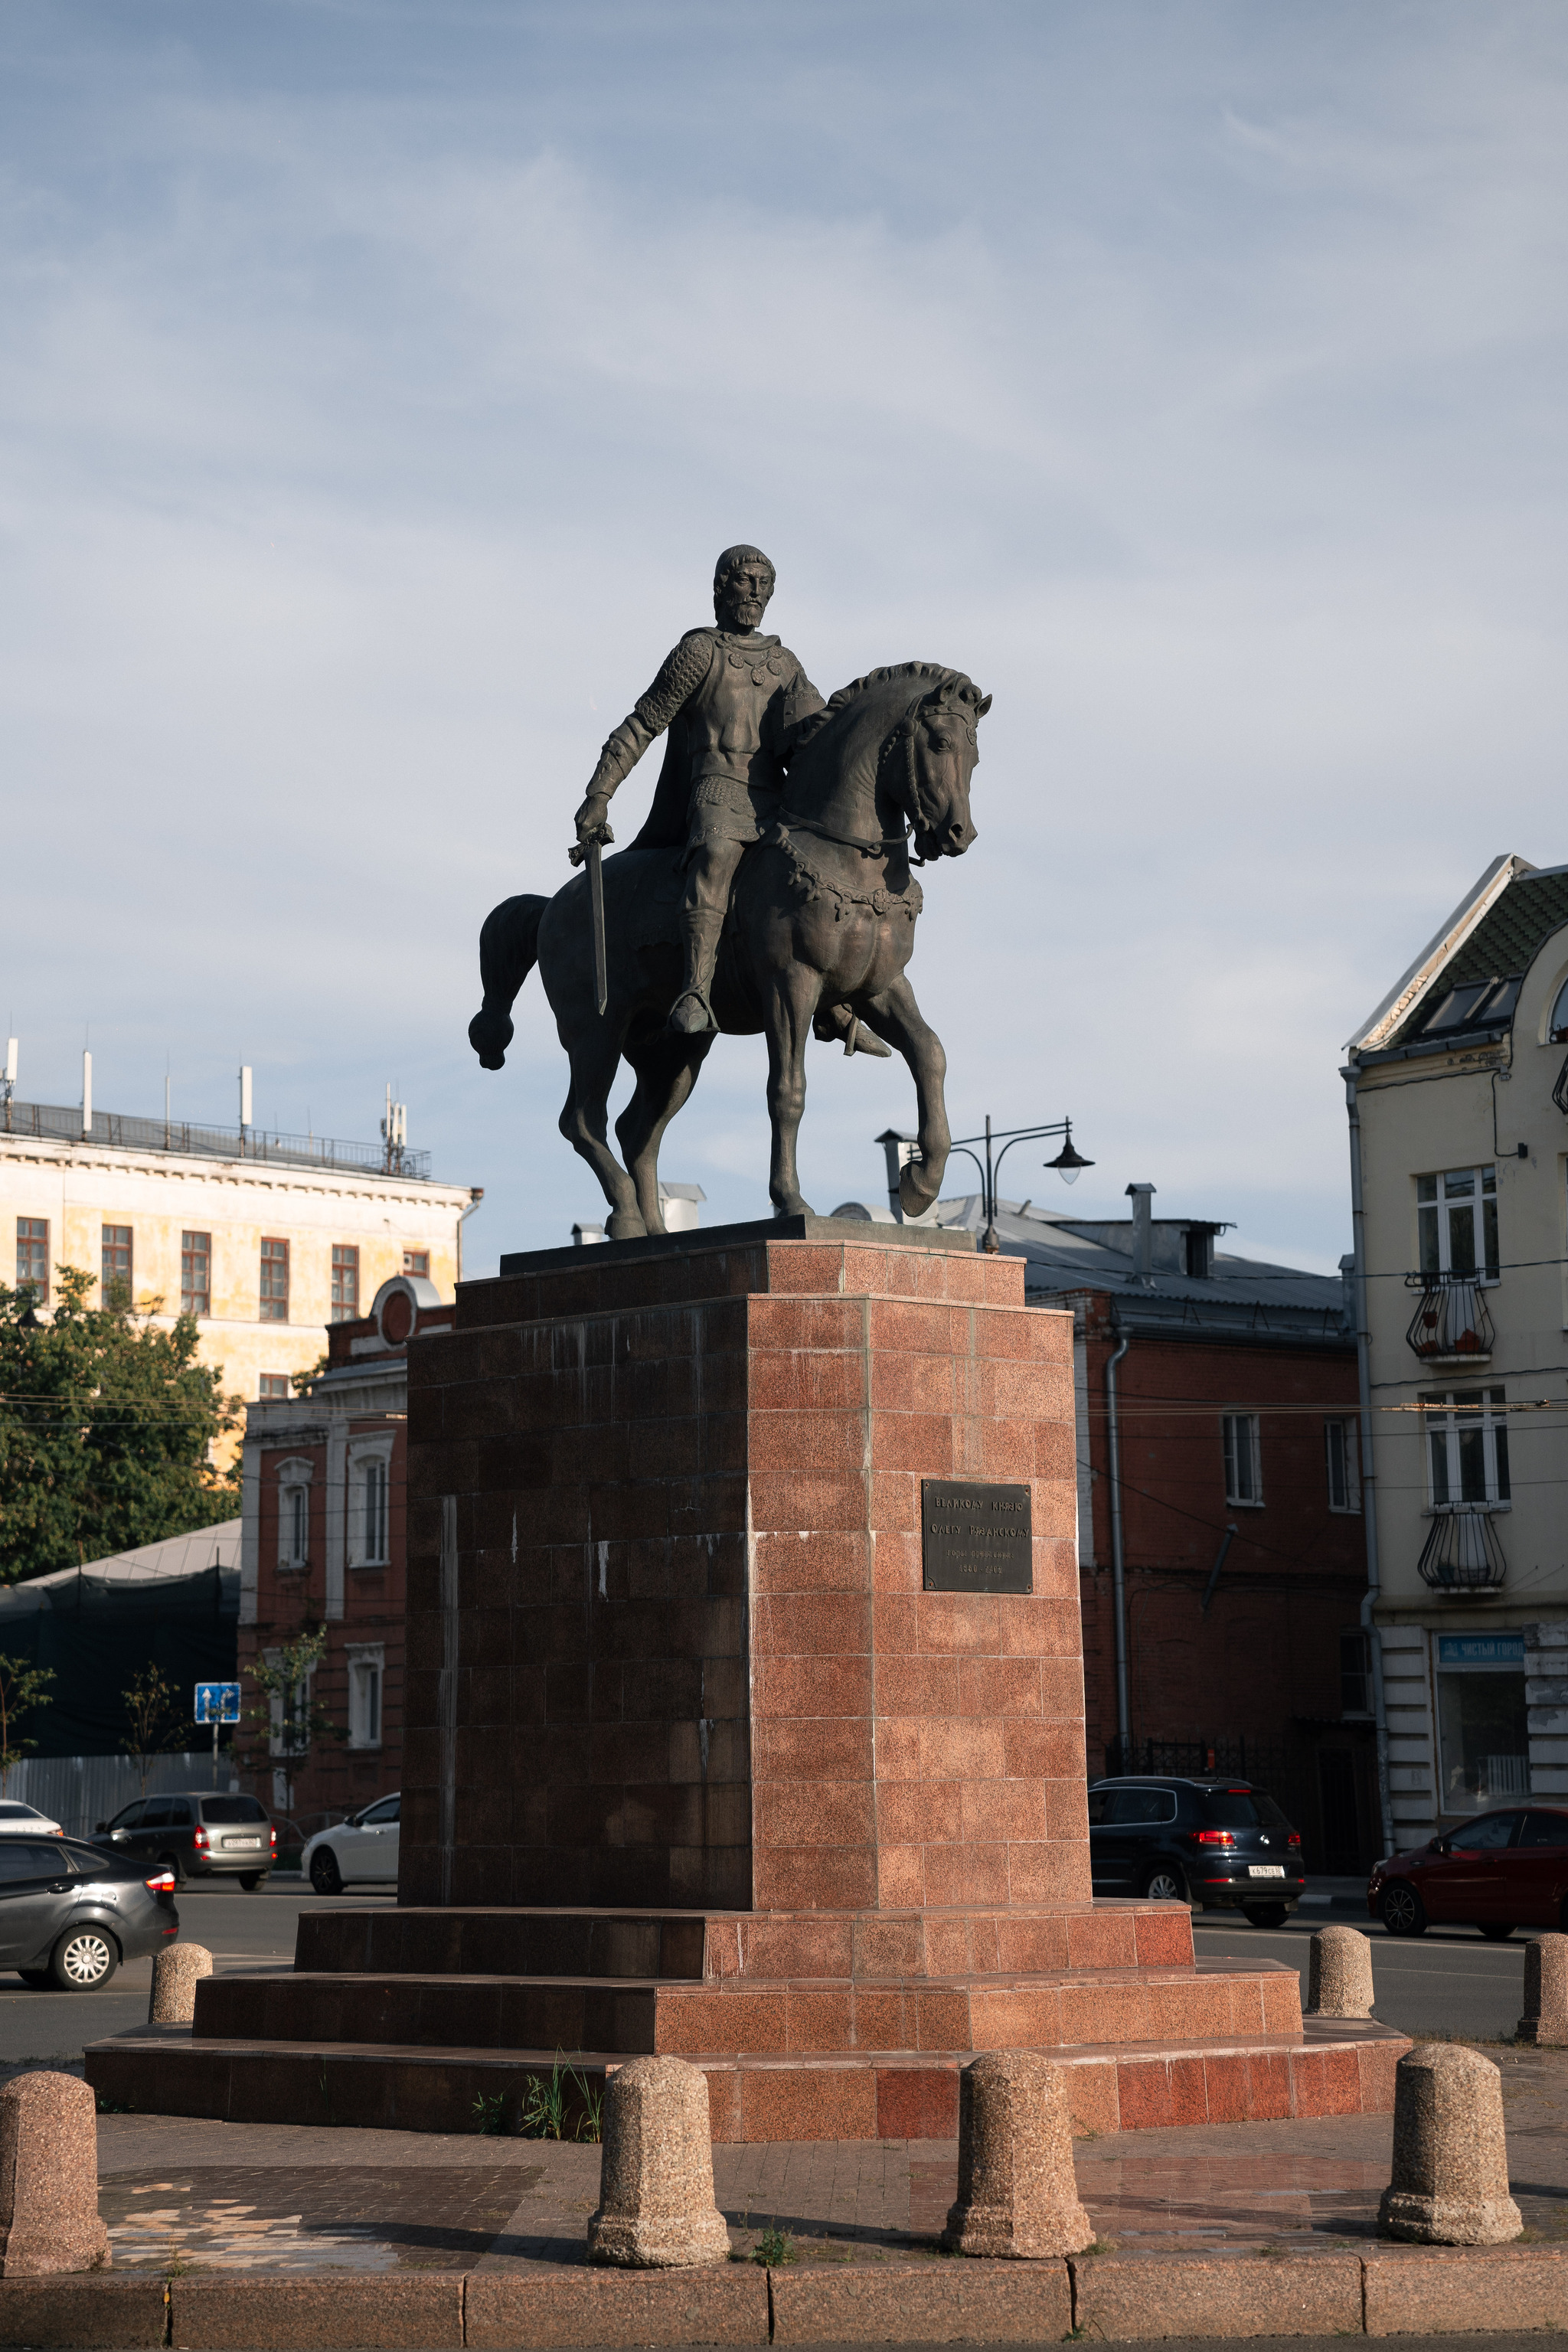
(364, 1847)
(21, 1820)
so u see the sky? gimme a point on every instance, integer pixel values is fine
(379, 380)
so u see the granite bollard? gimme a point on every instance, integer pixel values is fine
(655, 2191)
(173, 1999)
(1338, 1974)
(1017, 2197)
(1545, 2019)
(48, 2177)
(1451, 2157)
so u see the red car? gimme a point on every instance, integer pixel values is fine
(1501, 1871)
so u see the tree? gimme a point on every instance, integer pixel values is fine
(21, 1688)
(106, 1430)
(156, 1723)
(289, 1722)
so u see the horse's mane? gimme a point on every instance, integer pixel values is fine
(937, 675)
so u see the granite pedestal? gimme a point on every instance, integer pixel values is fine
(695, 1763)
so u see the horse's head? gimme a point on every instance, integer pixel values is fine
(934, 750)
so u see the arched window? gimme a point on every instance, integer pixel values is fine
(1559, 1028)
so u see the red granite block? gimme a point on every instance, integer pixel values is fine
(904, 1380)
(1049, 1873)
(800, 1379)
(1107, 2009)
(1267, 2085)
(789, 2103)
(1092, 2095)
(1190, 2009)
(1042, 1751)
(1005, 1450)
(1164, 1937)
(802, 1944)
(828, 1440)
(917, 1686)
(895, 1511)
(896, 1626)
(1103, 1938)
(1021, 2017)
(791, 1560)
(1225, 2088)
(986, 1870)
(808, 1500)
(921, 1444)
(833, 1878)
(814, 1813)
(791, 1322)
(917, 2101)
(1143, 2094)
(883, 2020)
(811, 1687)
(811, 1624)
(1010, 1810)
(690, 2023)
(1066, 1804)
(1061, 1688)
(1039, 1625)
(1282, 2000)
(905, 1326)
(1325, 2082)
(1000, 1686)
(819, 2020)
(1189, 2092)
(817, 1747)
(959, 1623)
(913, 1812)
(942, 2020)
(901, 1876)
(1376, 2063)
(1029, 1945)
(806, 1266)
(724, 2104)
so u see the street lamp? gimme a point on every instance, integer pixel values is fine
(1066, 1162)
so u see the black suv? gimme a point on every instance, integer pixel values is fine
(1221, 1844)
(196, 1835)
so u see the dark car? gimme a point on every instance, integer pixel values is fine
(70, 1914)
(195, 1835)
(1501, 1871)
(1222, 1844)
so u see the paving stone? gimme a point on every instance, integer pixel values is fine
(1450, 2158)
(931, 2302)
(728, 2306)
(1180, 2294)
(48, 2177)
(301, 2315)
(1338, 1974)
(656, 2205)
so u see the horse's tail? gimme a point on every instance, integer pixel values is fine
(509, 950)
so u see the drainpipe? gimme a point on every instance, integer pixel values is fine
(1117, 1576)
(1368, 1462)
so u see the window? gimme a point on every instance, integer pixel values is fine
(33, 1257)
(366, 1667)
(116, 1264)
(1344, 1470)
(289, 1735)
(385, 1814)
(1483, 1734)
(294, 1512)
(274, 1282)
(1355, 1672)
(1129, 1805)
(1242, 1809)
(345, 1283)
(374, 1514)
(1455, 1215)
(417, 1261)
(275, 1384)
(1466, 1447)
(196, 1275)
(225, 1812)
(1559, 1029)
(1242, 1471)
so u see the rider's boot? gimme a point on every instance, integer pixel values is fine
(838, 1020)
(691, 1015)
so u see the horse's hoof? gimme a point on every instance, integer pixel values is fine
(862, 1040)
(490, 1035)
(914, 1197)
(625, 1226)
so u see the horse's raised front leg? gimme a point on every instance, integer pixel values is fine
(895, 1017)
(667, 1069)
(595, 1057)
(791, 1000)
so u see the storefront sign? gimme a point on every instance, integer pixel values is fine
(1480, 1649)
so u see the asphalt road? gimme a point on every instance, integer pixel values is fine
(1446, 1981)
(43, 2028)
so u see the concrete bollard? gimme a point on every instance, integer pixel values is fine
(48, 2177)
(656, 2188)
(1338, 1974)
(1451, 2157)
(1545, 2019)
(1016, 2193)
(173, 2001)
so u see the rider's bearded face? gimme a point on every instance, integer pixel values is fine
(743, 594)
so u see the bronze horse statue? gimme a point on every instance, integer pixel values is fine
(822, 912)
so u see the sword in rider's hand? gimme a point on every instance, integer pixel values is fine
(592, 852)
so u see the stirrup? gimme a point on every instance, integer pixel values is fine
(698, 997)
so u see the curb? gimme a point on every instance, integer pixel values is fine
(1113, 2297)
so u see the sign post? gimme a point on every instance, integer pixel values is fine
(217, 1703)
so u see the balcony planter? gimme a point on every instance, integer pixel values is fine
(1451, 1325)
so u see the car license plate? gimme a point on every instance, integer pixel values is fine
(242, 1842)
(1266, 1870)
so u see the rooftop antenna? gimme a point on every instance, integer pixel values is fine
(10, 1079)
(165, 1102)
(86, 1092)
(394, 1133)
(244, 1102)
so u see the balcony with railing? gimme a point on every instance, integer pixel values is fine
(1451, 1325)
(1462, 1553)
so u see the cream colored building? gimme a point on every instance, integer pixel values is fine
(1458, 1094)
(265, 1239)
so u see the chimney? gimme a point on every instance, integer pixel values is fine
(1142, 1198)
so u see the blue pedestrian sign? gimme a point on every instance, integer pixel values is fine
(217, 1703)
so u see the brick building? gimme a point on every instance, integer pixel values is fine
(1227, 1390)
(322, 1546)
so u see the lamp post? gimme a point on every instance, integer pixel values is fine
(1066, 1162)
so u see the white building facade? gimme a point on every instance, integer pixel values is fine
(1458, 1098)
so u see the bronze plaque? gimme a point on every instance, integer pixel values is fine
(974, 1538)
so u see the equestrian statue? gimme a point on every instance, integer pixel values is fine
(771, 889)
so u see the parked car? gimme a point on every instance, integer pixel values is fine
(1222, 1844)
(70, 1914)
(195, 1835)
(22, 1821)
(1501, 1871)
(363, 1847)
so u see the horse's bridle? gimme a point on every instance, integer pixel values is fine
(873, 848)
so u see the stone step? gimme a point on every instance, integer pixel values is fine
(752, 2016)
(664, 1945)
(1331, 2068)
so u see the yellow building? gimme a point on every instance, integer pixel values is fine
(266, 1239)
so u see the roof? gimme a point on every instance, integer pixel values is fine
(62, 1123)
(198, 1571)
(192, 1554)
(1458, 987)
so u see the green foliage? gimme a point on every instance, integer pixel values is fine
(489, 2114)
(288, 1735)
(106, 1426)
(546, 2106)
(157, 1723)
(21, 1687)
(775, 2247)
